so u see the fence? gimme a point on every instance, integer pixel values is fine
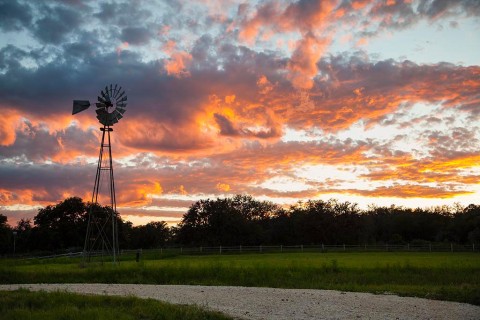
(312, 248)
(429, 247)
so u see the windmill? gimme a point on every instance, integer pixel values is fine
(102, 232)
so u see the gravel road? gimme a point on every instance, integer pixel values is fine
(270, 303)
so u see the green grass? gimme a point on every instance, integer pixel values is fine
(446, 276)
(23, 304)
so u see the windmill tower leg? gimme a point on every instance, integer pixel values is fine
(100, 236)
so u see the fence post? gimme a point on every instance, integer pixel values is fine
(137, 255)
(323, 247)
(240, 248)
(430, 246)
(451, 247)
(386, 247)
(344, 247)
(365, 247)
(181, 250)
(260, 248)
(408, 246)
(201, 249)
(473, 247)
(220, 249)
(281, 248)
(301, 246)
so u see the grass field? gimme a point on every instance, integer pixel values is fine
(446, 276)
(23, 305)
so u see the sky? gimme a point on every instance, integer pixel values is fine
(372, 102)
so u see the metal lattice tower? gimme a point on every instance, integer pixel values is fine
(102, 230)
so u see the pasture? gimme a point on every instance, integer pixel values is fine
(446, 276)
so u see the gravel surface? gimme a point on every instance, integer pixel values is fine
(270, 303)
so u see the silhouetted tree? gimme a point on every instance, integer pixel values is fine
(24, 233)
(6, 245)
(465, 226)
(60, 226)
(228, 221)
(151, 235)
(242, 220)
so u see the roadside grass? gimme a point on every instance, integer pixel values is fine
(444, 276)
(23, 304)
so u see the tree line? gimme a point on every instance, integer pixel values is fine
(243, 220)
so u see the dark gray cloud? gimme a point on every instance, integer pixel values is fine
(123, 14)
(437, 8)
(136, 35)
(14, 15)
(225, 125)
(33, 143)
(58, 23)
(10, 58)
(37, 143)
(47, 181)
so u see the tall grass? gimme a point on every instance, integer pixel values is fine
(23, 304)
(447, 276)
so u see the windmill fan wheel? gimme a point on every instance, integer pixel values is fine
(111, 105)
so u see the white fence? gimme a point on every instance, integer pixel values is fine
(312, 248)
(206, 250)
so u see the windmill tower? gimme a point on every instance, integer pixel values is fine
(102, 232)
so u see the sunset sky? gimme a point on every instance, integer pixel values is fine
(373, 102)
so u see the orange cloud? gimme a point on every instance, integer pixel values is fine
(230, 99)
(8, 122)
(302, 64)
(223, 187)
(411, 191)
(178, 63)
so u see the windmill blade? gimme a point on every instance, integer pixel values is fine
(122, 105)
(118, 115)
(121, 110)
(112, 119)
(115, 92)
(102, 100)
(105, 96)
(121, 94)
(102, 118)
(118, 94)
(101, 111)
(101, 105)
(102, 115)
(80, 105)
(123, 99)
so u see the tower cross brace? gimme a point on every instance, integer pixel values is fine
(102, 221)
